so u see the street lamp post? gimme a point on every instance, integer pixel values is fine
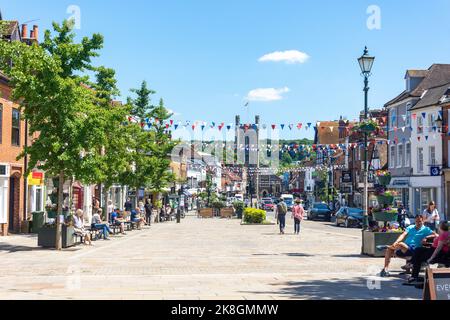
(366, 63)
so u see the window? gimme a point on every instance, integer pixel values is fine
(420, 160)
(431, 123)
(15, 128)
(400, 156)
(392, 157)
(432, 156)
(393, 122)
(408, 114)
(408, 155)
(1, 122)
(419, 124)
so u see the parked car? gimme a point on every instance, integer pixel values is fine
(350, 217)
(318, 211)
(267, 204)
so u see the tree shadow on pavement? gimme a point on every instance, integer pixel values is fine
(348, 289)
(355, 256)
(6, 247)
(284, 254)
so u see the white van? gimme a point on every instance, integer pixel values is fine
(289, 200)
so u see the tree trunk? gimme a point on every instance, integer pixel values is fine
(158, 210)
(105, 192)
(58, 242)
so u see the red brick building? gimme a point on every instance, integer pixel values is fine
(12, 140)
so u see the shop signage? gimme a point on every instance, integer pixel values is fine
(346, 189)
(35, 179)
(347, 177)
(437, 284)
(435, 171)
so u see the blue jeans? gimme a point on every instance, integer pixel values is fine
(282, 221)
(104, 229)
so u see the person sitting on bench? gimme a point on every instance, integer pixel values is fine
(406, 244)
(436, 252)
(116, 221)
(79, 228)
(98, 224)
(136, 218)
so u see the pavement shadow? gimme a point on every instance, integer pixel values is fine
(359, 288)
(6, 247)
(355, 256)
(283, 254)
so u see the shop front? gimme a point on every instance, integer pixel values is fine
(424, 190)
(401, 190)
(36, 192)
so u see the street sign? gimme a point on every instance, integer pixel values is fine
(435, 171)
(347, 177)
(437, 284)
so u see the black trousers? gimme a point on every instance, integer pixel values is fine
(420, 256)
(297, 225)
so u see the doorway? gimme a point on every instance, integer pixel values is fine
(14, 198)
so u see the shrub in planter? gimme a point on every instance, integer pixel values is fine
(255, 216)
(239, 208)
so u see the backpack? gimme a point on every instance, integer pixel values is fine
(281, 208)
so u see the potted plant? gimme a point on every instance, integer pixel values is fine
(217, 205)
(385, 198)
(239, 208)
(384, 177)
(385, 214)
(367, 126)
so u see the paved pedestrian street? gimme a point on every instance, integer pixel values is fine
(202, 259)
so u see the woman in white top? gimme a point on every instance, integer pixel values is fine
(78, 219)
(431, 216)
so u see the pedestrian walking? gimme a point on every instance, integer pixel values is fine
(148, 211)
(431, 216)
(298, 213)
(128, 205)
(281, 215)
(109, 210)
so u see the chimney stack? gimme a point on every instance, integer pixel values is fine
(24, 31)
(36, 32)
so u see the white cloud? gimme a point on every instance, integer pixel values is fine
(267, 94)
(290, 56)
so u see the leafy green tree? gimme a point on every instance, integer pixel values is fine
(58, 105)
(115, 158)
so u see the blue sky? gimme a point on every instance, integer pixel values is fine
(202, 56)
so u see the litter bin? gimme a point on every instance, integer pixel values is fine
(38, 221)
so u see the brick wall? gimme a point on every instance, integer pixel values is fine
(8, 155)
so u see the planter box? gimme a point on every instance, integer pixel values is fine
(373, 239)
(227, 213)
(47, 237)
(206, 213)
